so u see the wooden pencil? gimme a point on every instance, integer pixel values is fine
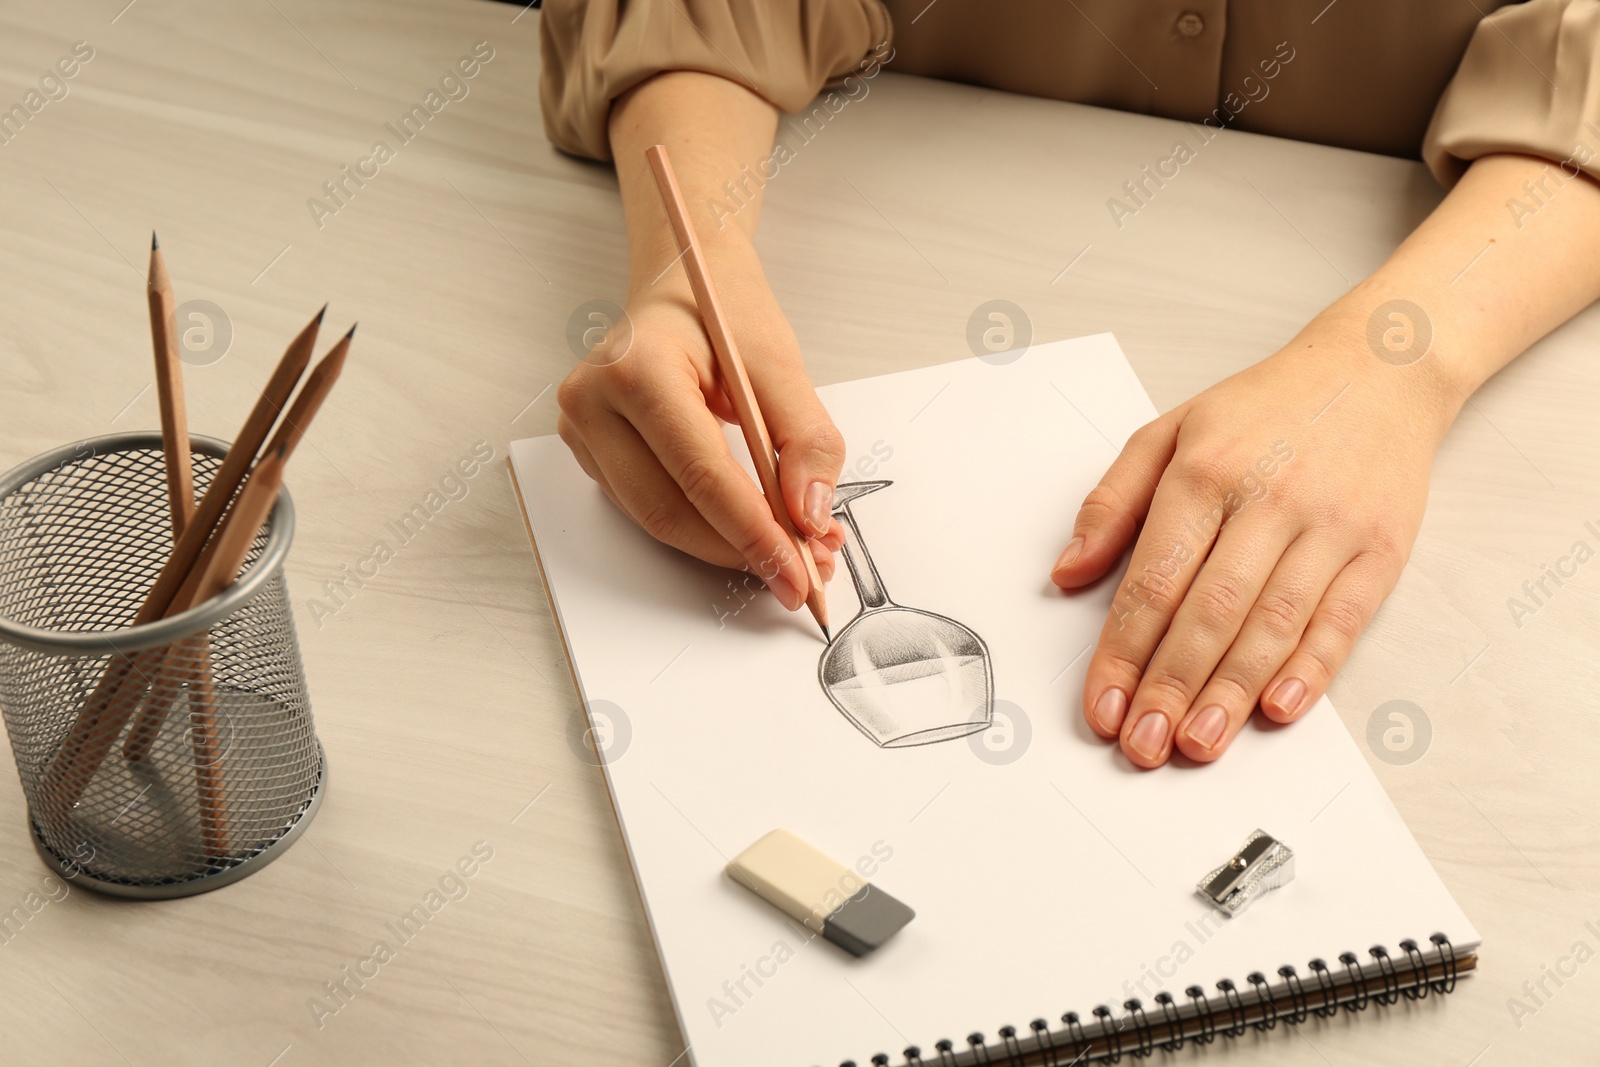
(212, 506)
(316, 390)
(205, 740)
(191, 656)
(735, 379)
(169, 392)
(235, 465)
(180, 503)
(244, 524)
(97, 723)
(255, 503)
(216, 569)
(147, 725)
(289, 434)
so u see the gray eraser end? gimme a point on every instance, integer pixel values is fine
(866, 921)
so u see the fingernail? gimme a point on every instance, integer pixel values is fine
(1206, 729)
(1070, 554)
(787, 593)
(1109, 710)
(1288, 696)
(819, 502)
(1149, 735)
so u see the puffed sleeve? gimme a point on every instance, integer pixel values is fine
(1529, 84)
(593, 51)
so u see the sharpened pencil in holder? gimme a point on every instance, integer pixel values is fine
(214, 767)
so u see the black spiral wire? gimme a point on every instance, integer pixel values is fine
(1139, 1035)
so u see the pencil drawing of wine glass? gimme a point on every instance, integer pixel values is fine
(902, 676)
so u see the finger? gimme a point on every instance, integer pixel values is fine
(1170, 551)
(824, 559)
(834, 538)
(1211, 615)
(810, 448)
(1343, 613)
(650, 491)
(636, 481)
(570, 436)
(686, 439)
(1112, 510)
(717, 401)
(722, 408)
(591, 466)
(1270, 633)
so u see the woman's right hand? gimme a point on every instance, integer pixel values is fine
(641, 413)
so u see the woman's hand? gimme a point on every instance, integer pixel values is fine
(641, 410)
(1279, 507)
(1315, 465)
(641, 413)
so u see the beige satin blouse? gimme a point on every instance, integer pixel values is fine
(1444, 80)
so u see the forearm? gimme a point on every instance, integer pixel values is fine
(1509, 255)
(712, 128)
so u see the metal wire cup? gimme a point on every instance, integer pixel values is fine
(219, 769)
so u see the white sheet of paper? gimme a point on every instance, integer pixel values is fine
(1046, 872)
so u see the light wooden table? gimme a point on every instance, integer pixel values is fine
(440, 689)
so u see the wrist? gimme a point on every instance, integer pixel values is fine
(1391, 345)
(656, 271)
(1421, 326)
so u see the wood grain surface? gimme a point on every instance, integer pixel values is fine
(438, 681)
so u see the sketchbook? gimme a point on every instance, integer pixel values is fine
(938, 746)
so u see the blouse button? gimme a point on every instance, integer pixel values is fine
(1191, 24)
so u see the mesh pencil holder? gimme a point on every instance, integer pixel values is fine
(206, 765)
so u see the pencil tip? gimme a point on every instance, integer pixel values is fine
(826, 636)
(352, 332)
(321, 313)
(154, 244)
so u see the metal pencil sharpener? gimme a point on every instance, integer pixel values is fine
(1263, 864)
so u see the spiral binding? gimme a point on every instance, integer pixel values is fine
(1228, 1012)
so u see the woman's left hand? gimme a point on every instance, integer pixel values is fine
(1278, 509)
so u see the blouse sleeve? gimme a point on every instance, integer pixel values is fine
(1529, 84)
(593, 51)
